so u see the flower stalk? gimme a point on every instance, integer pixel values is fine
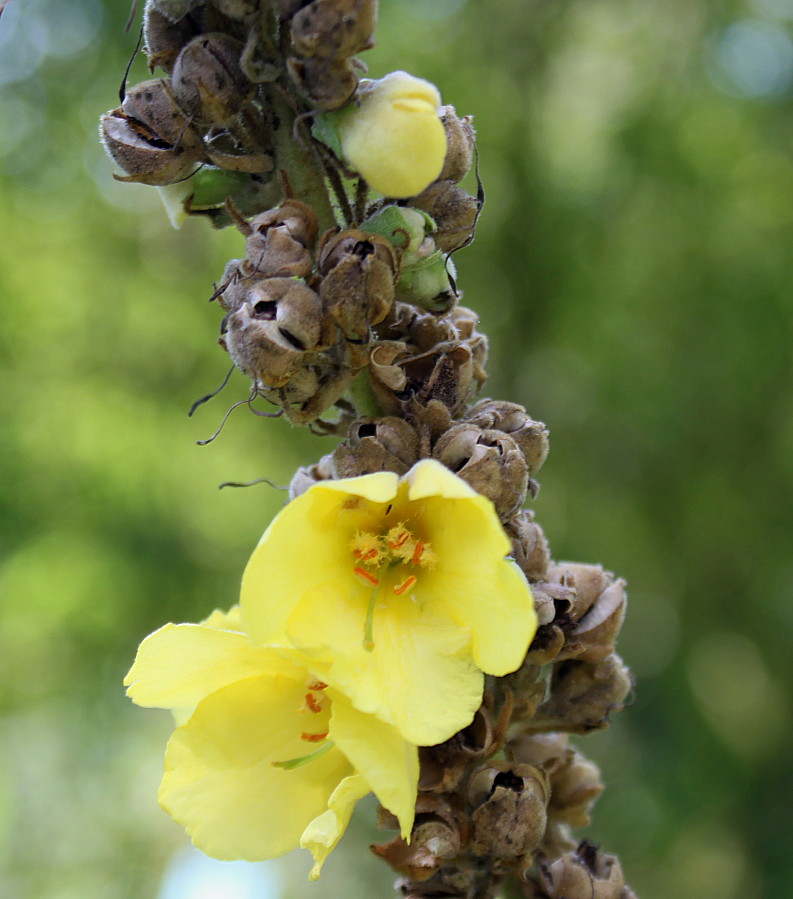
(402, 628)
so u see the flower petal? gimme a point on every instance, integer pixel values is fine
(180, 664)
(220, 782)
(306, 545)
(430, 478)
(419, 676)
(378, 752)
(322, 834)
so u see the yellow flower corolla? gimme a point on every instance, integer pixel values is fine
(266, 756)
(393, 136)
(398, 591)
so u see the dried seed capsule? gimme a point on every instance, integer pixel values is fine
(357, 287)
(489, 461)
(269, 334)
(510, 809)
(377, 444)
(325, 83)
(453, 211)
(530, 551)
(227, 151)
(531, 436)
(334, 28)
(583, 696)
(585, 873)
(207, 80)
(460, 145)
(315, 387)
(163, 37)
(238, 9)
(149, 137)
(276, 242)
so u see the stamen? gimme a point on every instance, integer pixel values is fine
(365, 576)
(417, 552)
(405, 585)
(313, 704)
(365, 556)
(368, 636)
(291, 764)
(316, 685)
(401, 538)
(314, 738)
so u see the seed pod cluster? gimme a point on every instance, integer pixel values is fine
(217, 110)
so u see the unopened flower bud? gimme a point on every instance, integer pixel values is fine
(207, 80)
(377, 444)
(393, 136)
(460, 144)
(489, 461)
(334, 28)
(531, 436)
(453, 211)
(530, 551)
(510, 809)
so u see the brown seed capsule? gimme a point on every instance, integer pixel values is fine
(530, 551)
(531, 436)
(326, 83)
(585, 873)
(207, 80)
(145, 155)
(582, 696)
(510, 809)
(285, 9)
(163, 37)
(313, 389)
(227, 151)
(489, 461)
(270, 333)
(276, 240)
(460, 145)
(453, 211)
(584, 583)
(377, 444)
(357, 287)
(437, 836)
(238, 9)
(334, 28)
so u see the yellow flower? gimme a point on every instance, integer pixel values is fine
(395, 590)
(267, 756)
(393, 136)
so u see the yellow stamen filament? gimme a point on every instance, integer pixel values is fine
(405, 585)
(368, 635)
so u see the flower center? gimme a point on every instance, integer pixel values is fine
(388, 563)
(316, 706)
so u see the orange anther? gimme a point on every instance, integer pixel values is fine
(417, 552)
(314, 738)
(400, 541)
(316, 685)
(364, 575)
(405, 585)
(313, 704)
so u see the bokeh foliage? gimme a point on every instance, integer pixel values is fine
(633, 269)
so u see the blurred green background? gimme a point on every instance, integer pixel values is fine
(633, 269)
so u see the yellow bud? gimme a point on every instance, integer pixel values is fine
(393, 137)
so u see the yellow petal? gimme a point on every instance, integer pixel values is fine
(225, 621)
(430, 478)
(180, 664)
(322, 834)
(419, 676)
(496, 607)
(307, 545)
(378, 751)
(220, 783)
